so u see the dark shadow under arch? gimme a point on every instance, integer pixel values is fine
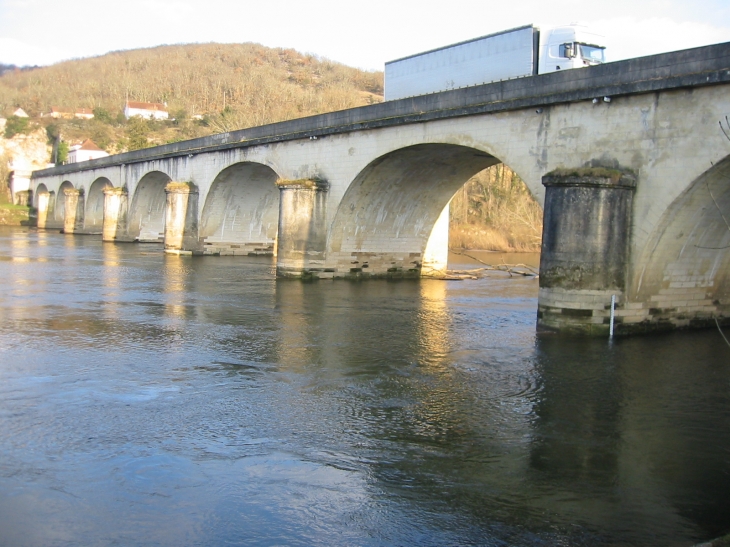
(391, 207)
(147, 213)
(94, 214)
(689, 251)
(241, 211)
(59, 209)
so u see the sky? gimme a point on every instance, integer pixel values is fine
(362, 33)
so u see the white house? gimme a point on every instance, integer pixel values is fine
(157, 111)
(87, 150)
(20, 113)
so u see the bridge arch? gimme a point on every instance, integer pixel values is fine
(40, 189)
(59, 209)
(94, 214)
(388, 212)
(147, 213)
(685, 266)
(241, 210)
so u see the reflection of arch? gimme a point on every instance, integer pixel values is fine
(94, 215)
(59, 211)
(147, 218)
(689, 252)
(241, 210)
(395, 201)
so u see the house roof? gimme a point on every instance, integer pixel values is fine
(20, 113)
(147, 106)
(60, 110)
(88, 144)
(84, 111)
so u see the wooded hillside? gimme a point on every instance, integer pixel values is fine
(231, 86)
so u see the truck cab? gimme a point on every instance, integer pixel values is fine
(573, 46)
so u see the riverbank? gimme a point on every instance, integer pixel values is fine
(16, 215)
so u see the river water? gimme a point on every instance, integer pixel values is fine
(159, 400)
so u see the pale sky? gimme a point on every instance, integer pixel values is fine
(362, 33)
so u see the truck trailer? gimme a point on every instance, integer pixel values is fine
(514, 53)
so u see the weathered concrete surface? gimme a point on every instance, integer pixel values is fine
(73, 220)
(114, 226)
(585, 244)
(302, 229)
(181, 218)
(392, 168)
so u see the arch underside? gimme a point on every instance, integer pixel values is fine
(389, 211)
(147, 217)
(59, 208)
(241, 212)
(41, 189)
(94, 214)
(683, 276)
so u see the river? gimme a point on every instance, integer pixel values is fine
(148, 399)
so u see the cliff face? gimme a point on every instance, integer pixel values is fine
(25, 152)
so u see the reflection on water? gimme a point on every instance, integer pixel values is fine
(152, 399)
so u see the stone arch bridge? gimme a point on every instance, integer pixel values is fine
(628, 158)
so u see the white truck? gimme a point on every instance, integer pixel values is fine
(514, 53)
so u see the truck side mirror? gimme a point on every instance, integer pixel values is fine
(569, 51)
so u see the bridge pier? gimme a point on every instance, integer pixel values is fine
(181, 218)
(43, 200)
(302, 232)
(73, 219)
(114, 226)
(585, 249)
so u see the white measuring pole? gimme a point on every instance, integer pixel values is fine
(613, 305)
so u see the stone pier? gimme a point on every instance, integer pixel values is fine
(114, 227)
(585, 242)
(73, 220)
(181, 218)
(302, 235)
(44, 200)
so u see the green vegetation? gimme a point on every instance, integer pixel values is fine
(11, 215)
(598, 172)
(314, 182)
(137, 134)
(15, 126)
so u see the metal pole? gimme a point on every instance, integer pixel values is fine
(613, 304)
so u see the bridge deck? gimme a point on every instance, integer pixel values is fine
(696, 67)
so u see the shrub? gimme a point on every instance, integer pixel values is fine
(15, 126)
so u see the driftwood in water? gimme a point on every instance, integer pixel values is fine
(477, 273)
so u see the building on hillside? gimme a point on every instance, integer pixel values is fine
(84, 113)
(20, 113)
(150, 111)
(87, 150)
(67, 114)
(61, 113)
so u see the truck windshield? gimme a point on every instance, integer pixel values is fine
(592, 54)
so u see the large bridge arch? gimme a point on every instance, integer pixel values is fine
(94, 213)
(387, 214)
(241, 211)
(147, 212)
(685, 267)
